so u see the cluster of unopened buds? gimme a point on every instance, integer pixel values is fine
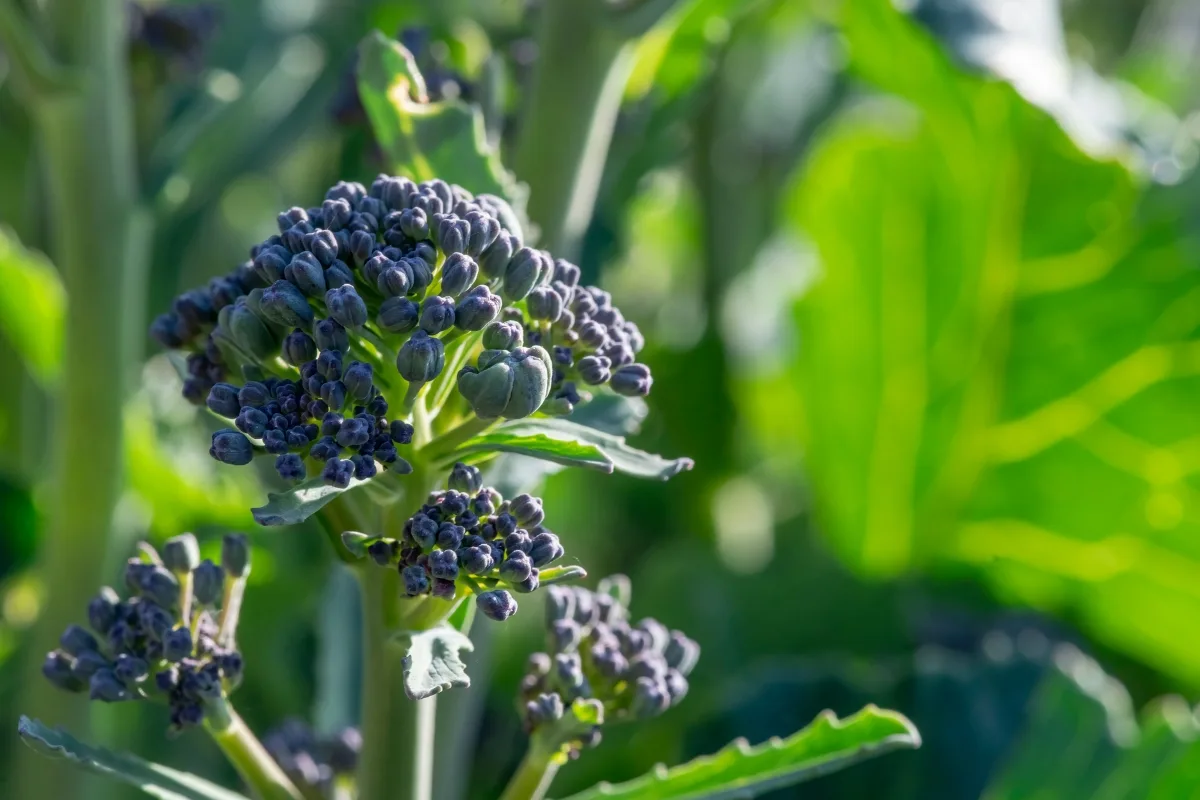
(318, 765)
(469, 540)
(596, 655)
(356, 305)
(171, 639)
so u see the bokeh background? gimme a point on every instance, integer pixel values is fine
(919, 282)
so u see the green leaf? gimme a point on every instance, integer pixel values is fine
(624, 458)
(566, 452)
(153, 779)
(742, 771)
(425, 140)
(1084, 741)
(551, 576)
(432, 663)
(300, 502)
(178, 493)
(32, 307)
(356, 543)
(1001, 355)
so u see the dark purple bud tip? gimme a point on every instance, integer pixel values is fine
(497, 604)
(231, 447)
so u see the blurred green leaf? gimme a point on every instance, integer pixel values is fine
(558, 450)
(425, 140)
(623, 458)
(178, 496)
(741, 771)
(1030, 51)
(32, 307)
(153, 779)
(1000, 361)
(1083, 741)
(432, 663)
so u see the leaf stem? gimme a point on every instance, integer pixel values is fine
(583, 66)
(251, 760)
(99, 242)
(534, 775)
(231, 609)
(398, 733)
(33, 64)
(379, 684)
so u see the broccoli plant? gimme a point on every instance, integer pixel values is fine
(381, 359)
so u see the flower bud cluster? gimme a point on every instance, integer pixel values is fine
(314, 763)
(332, 418)
(589, 341)
(396, 262)
(177, 34)
(636, 670)
(470, 539)
(170, 639)
(312, 324)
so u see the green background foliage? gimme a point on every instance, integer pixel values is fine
(929, 328)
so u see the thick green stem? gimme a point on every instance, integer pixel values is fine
(583, 66)
(247, 755)
(99, 241)
(442, 446)
(398, 733)
(534, 775)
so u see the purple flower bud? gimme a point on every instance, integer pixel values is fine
(632, 380)
(231, 447)
(497, 604)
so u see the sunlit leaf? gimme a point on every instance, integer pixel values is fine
(558, 450)
(1000, 360)
(32, 307)
(153, 779)
(624, 458)
(742, 771)
(432, 663)
(423, 140)
(1030, 51)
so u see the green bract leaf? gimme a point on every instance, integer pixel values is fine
(555, 575)
(425, 140)
(356, 543)
(432, 663)
(741, 771)
(32, 307)
(559, 735)
(623, 458)
(153, 779)
(569, 453)
(300, 502)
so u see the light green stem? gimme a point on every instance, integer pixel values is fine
(449, 441)
(582, 68)
(398, 733)
(99, 241)
(534, 775)
(247, 755)
(378, 685)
